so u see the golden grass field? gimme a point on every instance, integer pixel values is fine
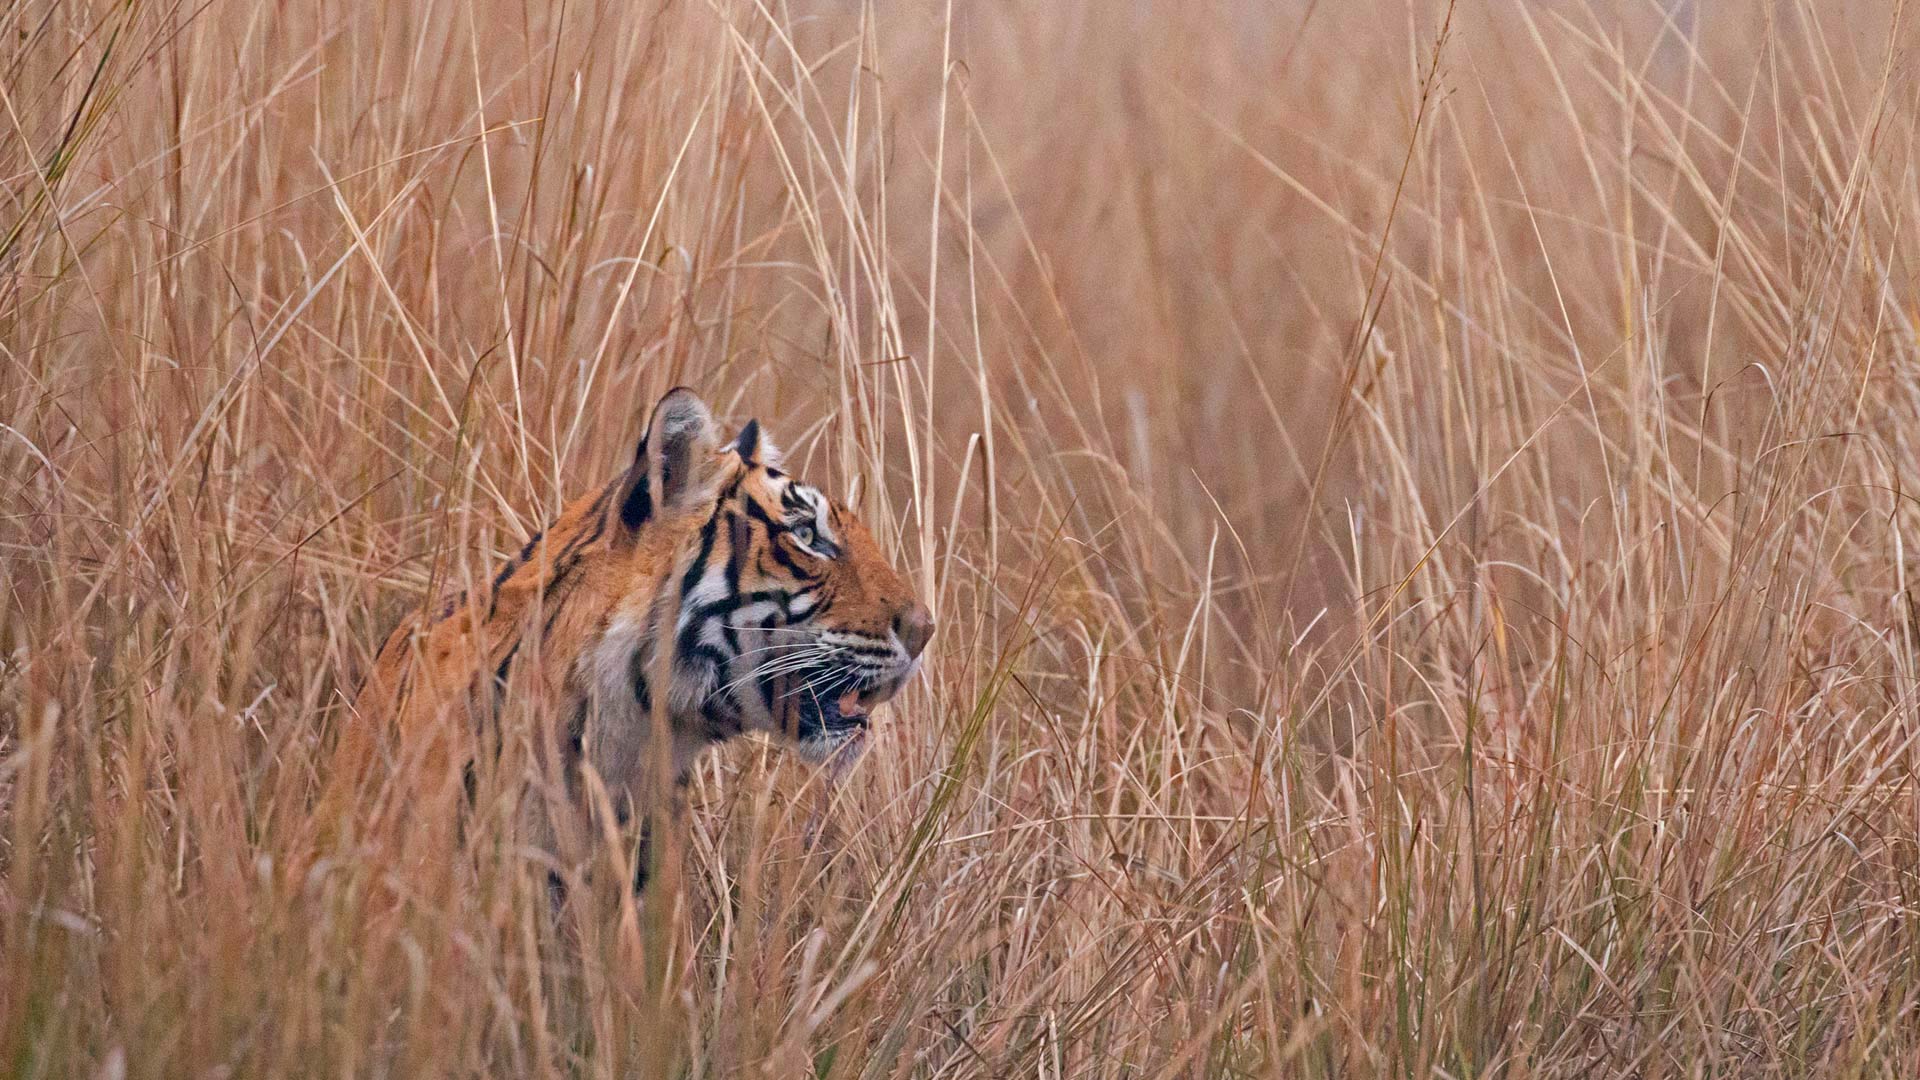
(1416, 499)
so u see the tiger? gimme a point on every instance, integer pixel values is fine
(702, 594)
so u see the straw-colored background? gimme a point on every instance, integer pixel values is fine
(1416, 502)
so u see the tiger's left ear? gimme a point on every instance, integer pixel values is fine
(674, 466)
(755, 448)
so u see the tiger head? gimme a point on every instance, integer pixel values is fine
(787, 618)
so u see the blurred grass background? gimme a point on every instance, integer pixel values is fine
(1414, 495)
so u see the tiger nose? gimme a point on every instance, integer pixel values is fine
(914, 627)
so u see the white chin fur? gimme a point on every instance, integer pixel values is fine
(840, 749)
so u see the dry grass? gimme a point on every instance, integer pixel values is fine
(1416, 503)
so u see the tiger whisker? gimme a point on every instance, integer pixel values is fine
(777, 666)
(825, 677)
(780, 665)
(802, 659)
(793, 648)
(753, 676)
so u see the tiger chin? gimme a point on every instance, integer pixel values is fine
(776, 609)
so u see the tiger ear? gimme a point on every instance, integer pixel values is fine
(673, 467)
(755, 448)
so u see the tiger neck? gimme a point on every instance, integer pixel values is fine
(623, 678)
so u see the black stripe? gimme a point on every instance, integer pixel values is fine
(637, 508)
(821, 608)
(555, 605)
(708, 653)
(642, 856)
(637, 667)
(600, 501)
(722, 722)
(765, 686)
(571, 552)
(759, 513)
(500, 673)
(739, 538)
(576, 738)
(733, 602)
(786, 562)
(755, 510)
(688, 643)
(569, 558)
(515, 563)
(563, 563)
(453, 604)
(698, 568)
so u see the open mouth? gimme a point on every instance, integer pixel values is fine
(833, 708)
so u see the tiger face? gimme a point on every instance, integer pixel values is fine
(791, 622)
(781, 613)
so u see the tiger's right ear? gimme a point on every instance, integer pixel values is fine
(674, 465)
(755, 448)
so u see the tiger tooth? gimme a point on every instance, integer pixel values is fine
(851, 705)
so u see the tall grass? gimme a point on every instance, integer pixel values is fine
(1415, 497)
